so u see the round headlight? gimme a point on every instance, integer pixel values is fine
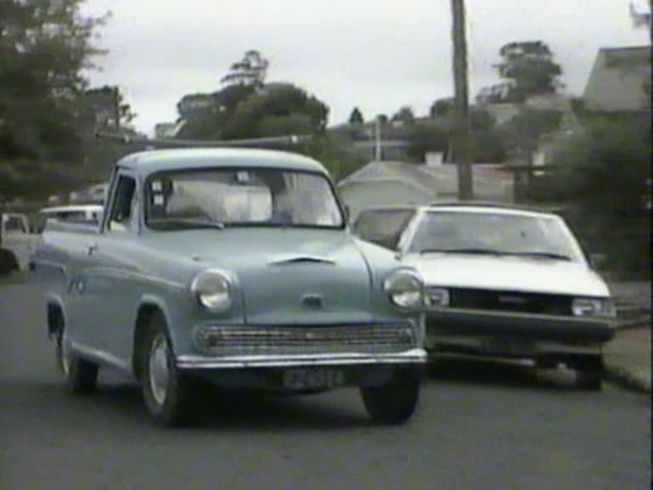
(212, 290)
(593, 307)
(404, 289)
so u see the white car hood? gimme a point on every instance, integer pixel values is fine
(508, 273)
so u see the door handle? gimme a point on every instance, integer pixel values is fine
(92, 248)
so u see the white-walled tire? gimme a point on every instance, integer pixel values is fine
(166, 391)
(80, 375)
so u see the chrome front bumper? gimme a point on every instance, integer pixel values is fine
(413, 356)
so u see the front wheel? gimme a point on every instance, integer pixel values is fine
(394, 402)
(80, 375)
(589, 379)
(589, 372)
(166, 391)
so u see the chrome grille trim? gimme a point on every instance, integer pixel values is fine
(304, 339)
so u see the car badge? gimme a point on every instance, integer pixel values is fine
(312, 301)
(515, 300)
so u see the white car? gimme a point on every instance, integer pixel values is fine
(74, 213)
(501, 281)
(15, 237)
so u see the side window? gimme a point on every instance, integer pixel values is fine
(14, 223)
(124, 207)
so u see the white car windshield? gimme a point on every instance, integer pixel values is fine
(235, 197)
(494, 233)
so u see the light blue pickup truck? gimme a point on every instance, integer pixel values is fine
(236, 266)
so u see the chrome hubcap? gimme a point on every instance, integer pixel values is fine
(158, 369)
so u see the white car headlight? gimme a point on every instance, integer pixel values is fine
(404, 289)
(437, 297)
(597, 307)
(212, 289)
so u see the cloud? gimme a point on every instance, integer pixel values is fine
(375, 54)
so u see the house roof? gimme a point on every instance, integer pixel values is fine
(489, 180)
(618, 79)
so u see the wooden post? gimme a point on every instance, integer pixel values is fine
(461, 140)
(378, 155)
(116, 106)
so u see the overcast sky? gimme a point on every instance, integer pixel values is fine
(374, 54)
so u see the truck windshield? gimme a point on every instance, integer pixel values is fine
(494, 234)
(241, 197)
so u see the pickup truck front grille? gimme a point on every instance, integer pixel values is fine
(511, 301)
(305, 339)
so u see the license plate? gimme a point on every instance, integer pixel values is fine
(304, 379)
(513, 347)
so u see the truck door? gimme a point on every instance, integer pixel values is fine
(110, 299)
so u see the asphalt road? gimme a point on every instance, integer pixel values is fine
(480, 425)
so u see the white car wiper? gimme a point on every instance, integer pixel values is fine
(548, 255)
(477, 251)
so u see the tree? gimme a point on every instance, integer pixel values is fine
(276, 108)
(404, 115)
(239, 112)
(248, 108)
(522, 133)
(641, 19)
(382, 118)
(44, 46)
(441, 108)
(426, 138)
(336, 153)
(356, 117)
(251, 70)
(605, 177)
(486, 142)
(108, 107)
(529, 68)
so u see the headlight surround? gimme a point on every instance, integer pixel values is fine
(404, 289)
(212, 288)
(437, 297)
(594, 307)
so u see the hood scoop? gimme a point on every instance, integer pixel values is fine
(300, 259)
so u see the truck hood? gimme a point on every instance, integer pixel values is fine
(302, 276)
(508, 273)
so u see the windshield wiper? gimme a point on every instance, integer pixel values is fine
(476, 251)
(548, 255)
(192, 223)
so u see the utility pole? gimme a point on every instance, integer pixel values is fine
(377, 139)
(461, 140)
(116, 107)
